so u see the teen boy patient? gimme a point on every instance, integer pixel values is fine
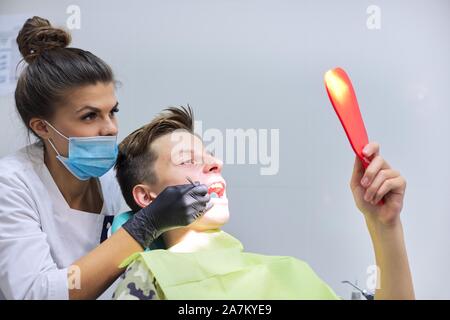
(200, 261)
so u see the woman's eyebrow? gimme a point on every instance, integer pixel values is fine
(87, 108)
(94, 108)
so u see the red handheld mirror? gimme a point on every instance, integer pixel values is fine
(343, 98)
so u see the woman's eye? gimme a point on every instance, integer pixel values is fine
(89, 116)
(113, 111)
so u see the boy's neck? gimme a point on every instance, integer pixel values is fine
(185, 239)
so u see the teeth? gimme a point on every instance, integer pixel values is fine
(216, 185)
(216, 190)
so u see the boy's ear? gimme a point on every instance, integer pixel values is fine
(142, 195)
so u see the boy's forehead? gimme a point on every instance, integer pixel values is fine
(177, 142)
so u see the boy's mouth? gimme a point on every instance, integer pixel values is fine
(216, 189)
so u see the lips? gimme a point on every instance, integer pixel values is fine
(216, 189)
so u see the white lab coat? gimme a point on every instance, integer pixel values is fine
(40, 235)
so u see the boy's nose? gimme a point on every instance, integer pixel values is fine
(212, 165)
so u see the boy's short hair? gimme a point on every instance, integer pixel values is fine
(136, 158)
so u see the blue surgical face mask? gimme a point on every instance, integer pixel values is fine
(88, 157)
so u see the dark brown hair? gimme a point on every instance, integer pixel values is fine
(53, 69)
(136, 157)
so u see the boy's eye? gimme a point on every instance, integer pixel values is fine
(188, 161)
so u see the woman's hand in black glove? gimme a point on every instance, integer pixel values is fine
(176, 206)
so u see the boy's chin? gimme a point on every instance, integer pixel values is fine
(214, 218)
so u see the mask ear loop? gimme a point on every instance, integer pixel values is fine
(53, 146)
(50, 141)
(56, 130)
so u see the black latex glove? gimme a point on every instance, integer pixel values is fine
(174, 207)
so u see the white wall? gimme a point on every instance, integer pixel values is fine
(260, 64)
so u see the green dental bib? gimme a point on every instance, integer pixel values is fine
(219, 269)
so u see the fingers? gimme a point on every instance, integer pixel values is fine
(199, 202)
(358, 171)
(200, 213)
(181, 188)
(377, 164)
(202, 199)
(394, 185)
(190, 188)
(200, 190)
(371, 150)
(382, 176)
(198, 198)
(209, 205)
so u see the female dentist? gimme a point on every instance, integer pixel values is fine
(57, 195)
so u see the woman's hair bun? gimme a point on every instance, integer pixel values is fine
(38, 35)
